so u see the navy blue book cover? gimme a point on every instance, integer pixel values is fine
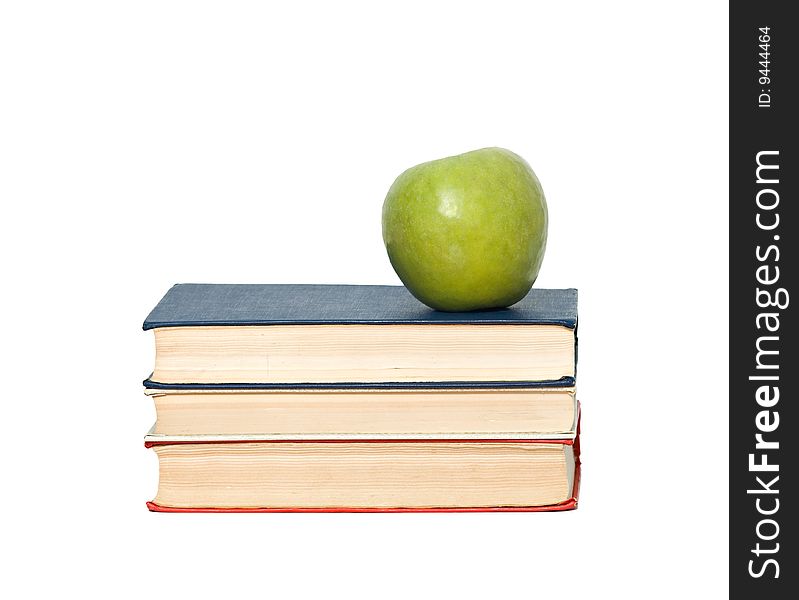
(198, 305)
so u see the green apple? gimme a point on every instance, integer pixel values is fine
(467, 232)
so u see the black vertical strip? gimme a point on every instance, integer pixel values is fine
(764, 363)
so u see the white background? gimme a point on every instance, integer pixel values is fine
(148, 143)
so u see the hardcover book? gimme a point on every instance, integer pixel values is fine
(367, 476)
(314, 414)
(348, 336)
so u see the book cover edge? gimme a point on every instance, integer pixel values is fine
(563, 382)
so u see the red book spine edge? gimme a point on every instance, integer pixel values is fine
(564, 442)
(569, 504)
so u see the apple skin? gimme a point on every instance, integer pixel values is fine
(467, 232)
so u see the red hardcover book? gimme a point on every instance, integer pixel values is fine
(364, 468)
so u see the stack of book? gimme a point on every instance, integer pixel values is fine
(359, 398)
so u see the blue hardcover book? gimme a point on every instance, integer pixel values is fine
(351, 336)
